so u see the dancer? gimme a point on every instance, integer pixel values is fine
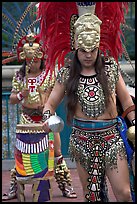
(91, 84)
(31, 86)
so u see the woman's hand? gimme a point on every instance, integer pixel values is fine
(45, 126)
(25, 92)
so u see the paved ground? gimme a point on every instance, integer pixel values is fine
(57, 196)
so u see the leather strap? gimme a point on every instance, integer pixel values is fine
(128, 110)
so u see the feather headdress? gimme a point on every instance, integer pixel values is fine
(57, 27)
(112, 16)
(56, 30)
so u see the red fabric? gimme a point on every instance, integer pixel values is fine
(111, 15)
(36, 118)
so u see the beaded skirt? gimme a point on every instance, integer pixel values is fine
(96, 144)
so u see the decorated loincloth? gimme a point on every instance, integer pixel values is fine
(96, 144)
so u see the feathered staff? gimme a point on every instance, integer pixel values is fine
(55, 31)
(111, 15)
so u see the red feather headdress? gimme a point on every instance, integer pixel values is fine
(55, 30)
(112, 15)
(56, 35)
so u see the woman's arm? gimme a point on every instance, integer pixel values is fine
(16, 98)
(52, 103)
(13, 99)
(55, 97)
(124, 97)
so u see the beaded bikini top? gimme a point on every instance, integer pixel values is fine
(42, 81)
(90, 93)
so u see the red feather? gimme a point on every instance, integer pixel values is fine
(55, 30)
(111, 15)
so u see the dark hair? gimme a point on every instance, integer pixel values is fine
(22, 70)
(73, 81)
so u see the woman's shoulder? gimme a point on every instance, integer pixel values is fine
(64, 70)
(111, 65)
(63, 74)
(18, 76)
(111, 69)
(109, 60)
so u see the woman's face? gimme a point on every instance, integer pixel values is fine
(87, 59)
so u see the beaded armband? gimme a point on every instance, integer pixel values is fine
(19, 96)
(46, 115)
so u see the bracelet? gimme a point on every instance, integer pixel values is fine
(46, 115)
(19, 96)
(133, 122)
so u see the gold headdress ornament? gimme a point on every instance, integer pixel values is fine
(87, 32)
(30, 47)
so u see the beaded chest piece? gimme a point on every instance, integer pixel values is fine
(90, 92)
(91, 96)
(42, 81)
